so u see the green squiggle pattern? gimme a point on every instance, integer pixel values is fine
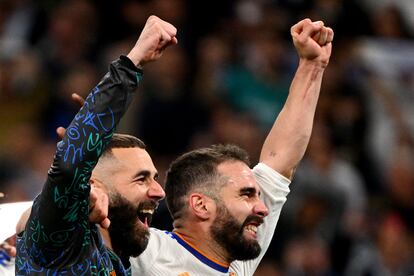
(58, 239)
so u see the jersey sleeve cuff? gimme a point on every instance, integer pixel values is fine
(125, 61)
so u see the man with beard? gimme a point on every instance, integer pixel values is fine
(58, 238)
(224, 213)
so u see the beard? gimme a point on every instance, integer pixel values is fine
(128, 236)
(228, 233)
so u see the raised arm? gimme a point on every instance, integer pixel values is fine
(60, 213)
(286, 143)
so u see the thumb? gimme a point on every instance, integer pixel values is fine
(105, 223)
(60, 131)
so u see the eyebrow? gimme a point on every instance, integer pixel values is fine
(144, 173)
(249, 190)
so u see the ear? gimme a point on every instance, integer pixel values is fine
(201, 205)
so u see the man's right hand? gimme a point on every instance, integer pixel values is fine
(99, 202)
(156, 36)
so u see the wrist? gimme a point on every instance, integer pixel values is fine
(313, 64)
(135, 59)
(126, 61)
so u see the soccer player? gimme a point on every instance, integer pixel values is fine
(58, 238)
(224, 213)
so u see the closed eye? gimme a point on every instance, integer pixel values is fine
(143, 176)
(249, 192)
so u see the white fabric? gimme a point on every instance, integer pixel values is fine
(7, 268)
(165, 256)
(9, 216)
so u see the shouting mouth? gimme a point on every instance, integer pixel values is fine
(145, 212)
(250, 226)
(252, 229)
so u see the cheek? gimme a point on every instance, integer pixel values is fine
(135, 193)
(240, 209)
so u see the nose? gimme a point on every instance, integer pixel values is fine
(155, 191)
(260, 209)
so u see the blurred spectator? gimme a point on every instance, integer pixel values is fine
(168, 103)
(18, 20)
(350, 210)
(405, 7)
(307, 255)
(334, 182)
(259, 82)
(391, 252)
(267, 267)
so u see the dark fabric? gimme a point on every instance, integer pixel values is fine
(58, 238)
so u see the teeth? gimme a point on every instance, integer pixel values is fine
(147, 211)
(251, 228)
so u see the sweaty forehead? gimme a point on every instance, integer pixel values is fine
(133, 158)
(238, 174)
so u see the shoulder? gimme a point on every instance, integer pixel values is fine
(266, 175)
(161, 248)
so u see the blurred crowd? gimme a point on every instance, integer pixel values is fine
(351, 206)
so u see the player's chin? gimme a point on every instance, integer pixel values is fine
(138, 244)
(142, 226)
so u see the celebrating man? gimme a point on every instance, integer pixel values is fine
(58, 238)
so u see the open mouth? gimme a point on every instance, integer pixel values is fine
(252, 229)
(252, 224)
(145, 212)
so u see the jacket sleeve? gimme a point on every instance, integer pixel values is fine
(60, 213)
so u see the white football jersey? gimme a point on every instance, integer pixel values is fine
(168, 254)
(6, 264)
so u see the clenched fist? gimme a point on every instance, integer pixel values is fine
(313, 41)
(156, 36)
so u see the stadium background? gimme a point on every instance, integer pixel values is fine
(351, 207)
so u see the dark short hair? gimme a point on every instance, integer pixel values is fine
(123, 141)
(197, 171)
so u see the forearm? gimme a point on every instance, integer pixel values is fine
(286, 143)
(86, 136)
(62, 208)
(89, 133)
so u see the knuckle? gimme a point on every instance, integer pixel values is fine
(307, 21)
(152, 18)
(301, 40)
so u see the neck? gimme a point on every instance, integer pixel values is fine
(106, 237)
(202, 241)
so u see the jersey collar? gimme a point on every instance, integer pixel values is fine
(198, 254)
